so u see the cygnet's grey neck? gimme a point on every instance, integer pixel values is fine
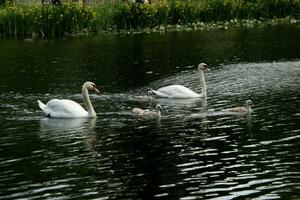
(248, 107)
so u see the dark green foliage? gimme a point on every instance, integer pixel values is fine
(77, 18)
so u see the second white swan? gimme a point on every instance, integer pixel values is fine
(65, 108)
(179, 91)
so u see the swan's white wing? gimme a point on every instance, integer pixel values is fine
(64, 109)
(176, 91)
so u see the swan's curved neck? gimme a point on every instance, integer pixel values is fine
(203, 84)
(87, 101)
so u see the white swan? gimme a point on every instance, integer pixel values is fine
(243, 110)
(66, 108)
(148, 114)
(179, 91)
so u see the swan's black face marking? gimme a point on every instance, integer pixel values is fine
(206, 69)
(203, 66)
(150, 93)
(48, 115)
(96, 88)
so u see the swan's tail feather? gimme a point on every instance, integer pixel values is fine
(41, 105)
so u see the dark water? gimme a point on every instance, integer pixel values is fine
(195, 151)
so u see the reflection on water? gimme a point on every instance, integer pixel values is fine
(52, 124)
(196, 151)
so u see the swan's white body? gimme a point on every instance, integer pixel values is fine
(148, 114)
(66, 108)
(246, 109)
(63, 108)
(176, 91)
(180, 92)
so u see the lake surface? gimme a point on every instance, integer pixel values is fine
(196, 151)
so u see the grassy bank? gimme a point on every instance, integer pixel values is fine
(78, 18)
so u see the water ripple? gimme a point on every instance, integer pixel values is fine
(196, 151)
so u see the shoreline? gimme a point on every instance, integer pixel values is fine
(213, 26)
(199, 26)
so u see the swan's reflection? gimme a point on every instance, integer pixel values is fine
(179, 102)
(248, 119)
(196, 110)
(203, 108)
(203, 104)
(66, 130)
(62, 132)
(52, 124)
(244, 117)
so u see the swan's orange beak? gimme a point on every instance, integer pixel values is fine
(206, 69)
(96, 89)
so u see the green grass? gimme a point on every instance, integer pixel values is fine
(47, 20)
(78, 18)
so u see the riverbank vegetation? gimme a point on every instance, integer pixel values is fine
(77, 18)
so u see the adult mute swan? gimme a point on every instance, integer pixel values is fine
(66, 108)
(179, 91)
(242, 110)
(148, 114)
